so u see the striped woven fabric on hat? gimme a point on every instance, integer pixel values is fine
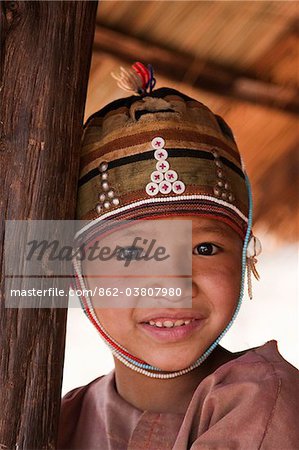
(156, 155)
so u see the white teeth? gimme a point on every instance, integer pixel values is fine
(168, 324)
(178, 323)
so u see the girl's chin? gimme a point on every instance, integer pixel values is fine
(171, 365)
(171, 359)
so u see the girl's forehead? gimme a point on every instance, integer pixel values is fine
(173, 227)
(204, 225)
(199, 223)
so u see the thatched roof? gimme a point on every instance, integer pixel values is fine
(241, 59)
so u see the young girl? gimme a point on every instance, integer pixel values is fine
(164, 156)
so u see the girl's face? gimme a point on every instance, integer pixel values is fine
(216, 278)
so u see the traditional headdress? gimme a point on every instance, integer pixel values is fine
(158, 153)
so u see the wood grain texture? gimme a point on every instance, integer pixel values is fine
(45, 60)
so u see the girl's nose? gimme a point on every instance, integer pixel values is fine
(171, 292)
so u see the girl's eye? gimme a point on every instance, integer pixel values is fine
(205, 249)
(131, 253)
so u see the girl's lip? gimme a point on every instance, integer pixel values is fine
(181, 315)
(173, 334)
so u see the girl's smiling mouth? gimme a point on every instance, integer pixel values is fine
(171, 329)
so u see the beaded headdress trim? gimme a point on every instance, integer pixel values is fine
(110, 214)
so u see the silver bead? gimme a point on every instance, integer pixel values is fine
(110, 193)
(218, 163)
(224, 195)
(103, 166)
(215, 153)
(220, 183)
(102, 197)
(254, 247)
(105, 185)
(104, 175)
(231, 197)
(115, 201)
(99, 208)
(219, 173)
(226, 185)
(217, 191)
(106, 205)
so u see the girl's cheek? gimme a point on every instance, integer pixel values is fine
(225, 267)
(219, 281)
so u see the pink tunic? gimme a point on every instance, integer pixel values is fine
(248, 403)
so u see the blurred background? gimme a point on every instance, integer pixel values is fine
(241, 59)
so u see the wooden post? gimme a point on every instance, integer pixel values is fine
(45, 61)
